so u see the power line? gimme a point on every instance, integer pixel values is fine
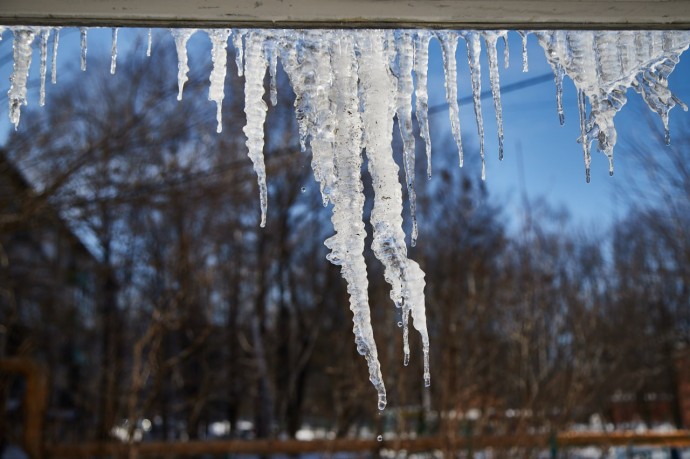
(504, 90)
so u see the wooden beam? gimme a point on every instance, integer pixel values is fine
(485, 14)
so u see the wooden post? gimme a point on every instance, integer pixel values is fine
(35, 402)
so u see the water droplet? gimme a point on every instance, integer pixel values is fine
(382, 402)
(303, 189)
(399, 324)
(379, 438)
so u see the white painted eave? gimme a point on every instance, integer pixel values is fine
(485, 14)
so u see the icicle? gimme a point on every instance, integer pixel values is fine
(558, 76)
(652, 85)
(53, 63)
(255, 109)
(583, 132)
(272, 70)
(181, 36)
(45, 34)
(82, 32)
(474, 49)
(604, 65)
(556, 45)
(421, 63)
(2, 30)
(216, 92)
(506, 50)
(405, 51)
(346, 100)
(149, 43)
(239, 50)
(311, 78)
(449, 43)
(23, 38)
(113, 52)
(347, 245)
(378, 94)
(491, 39)
(525, 64)
(297, 76)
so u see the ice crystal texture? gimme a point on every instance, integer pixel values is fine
(603, 65)
(349, 87)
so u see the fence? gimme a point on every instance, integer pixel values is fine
(35, 400)
(553, 442)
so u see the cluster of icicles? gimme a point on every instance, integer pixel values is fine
(349, 87)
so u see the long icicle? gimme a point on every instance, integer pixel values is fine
(474, 49)
(113, 52)
(558, 80)
(449, 43)
(45, 34)
(347, 245)
(53, 63)
(421, 64)
(255, 109)
(405, 51)
(491, 38)
(216, 91)
(378, 95)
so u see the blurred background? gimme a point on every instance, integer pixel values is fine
(134, 273)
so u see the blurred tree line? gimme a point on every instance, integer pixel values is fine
(194, 315)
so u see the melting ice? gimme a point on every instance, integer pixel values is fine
(349, 87)
(603, 65)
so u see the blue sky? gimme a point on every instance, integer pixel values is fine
(552, 164)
